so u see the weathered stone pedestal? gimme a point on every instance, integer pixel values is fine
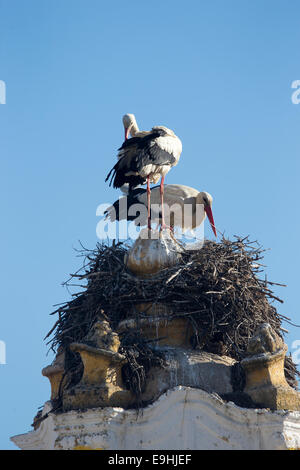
(156, 324)
(264, 368)
(55, 373)
(101, 383)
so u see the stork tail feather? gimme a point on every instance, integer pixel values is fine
(111, 175)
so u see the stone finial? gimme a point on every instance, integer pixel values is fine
(264, 370)
(102, 336)
(264, 341)
(153, 251)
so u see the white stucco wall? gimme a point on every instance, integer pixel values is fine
(183, 418)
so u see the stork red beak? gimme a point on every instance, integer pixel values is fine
(126, 133)
(210, 218)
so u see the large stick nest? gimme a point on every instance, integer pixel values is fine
(218, 288)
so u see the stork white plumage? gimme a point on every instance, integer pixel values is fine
(145, 159)
(176, 196)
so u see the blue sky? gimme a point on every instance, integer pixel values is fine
(217, 72)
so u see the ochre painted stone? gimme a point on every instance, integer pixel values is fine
(154, 322)
(55, 373)
(101, 383)
(264, 370)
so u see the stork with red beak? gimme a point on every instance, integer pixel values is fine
(177, 198)
(145, 159)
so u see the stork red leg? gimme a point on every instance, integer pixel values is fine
(163, 225)
(148, 202)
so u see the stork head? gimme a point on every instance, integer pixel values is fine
(206, 199)
(130, 125)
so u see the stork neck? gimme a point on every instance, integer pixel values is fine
(134, 129)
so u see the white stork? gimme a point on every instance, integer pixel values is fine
(176, 196)
(146, 159)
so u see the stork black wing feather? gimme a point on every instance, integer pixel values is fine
(146, 152)
(141, 142)
(132, 198)
(118, 176)
(154, 154)
(110, 175)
